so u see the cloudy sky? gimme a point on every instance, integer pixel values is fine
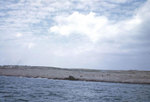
(98, 34)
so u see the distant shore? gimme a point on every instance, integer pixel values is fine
(118, 76)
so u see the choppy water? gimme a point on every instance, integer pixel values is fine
(15, 89)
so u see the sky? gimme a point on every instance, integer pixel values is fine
(94, 34)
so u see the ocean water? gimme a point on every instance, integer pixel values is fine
(15, 89)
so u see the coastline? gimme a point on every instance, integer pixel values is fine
(116, 76)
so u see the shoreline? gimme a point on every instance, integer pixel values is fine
(113, 76)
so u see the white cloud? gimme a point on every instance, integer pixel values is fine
(143, 12)
(77, 23)
(30, 45)
(18, 35)
(93, 26)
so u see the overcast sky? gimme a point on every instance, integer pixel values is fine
(95, 34)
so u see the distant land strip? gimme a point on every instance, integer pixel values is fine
(117, 76)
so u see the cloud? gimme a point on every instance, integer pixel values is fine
(19, 35)
(93, 26)
(118, 1)
(90, 25)
(107, 34)
(30, 45)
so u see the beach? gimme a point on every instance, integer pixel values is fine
(117, 76)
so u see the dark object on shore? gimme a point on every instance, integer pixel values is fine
(71, 78)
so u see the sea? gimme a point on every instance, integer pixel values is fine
(21, 89)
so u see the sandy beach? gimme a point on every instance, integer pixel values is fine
(118, 76)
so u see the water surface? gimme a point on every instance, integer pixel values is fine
(15, 89)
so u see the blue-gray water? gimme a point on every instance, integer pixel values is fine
(15, 89)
